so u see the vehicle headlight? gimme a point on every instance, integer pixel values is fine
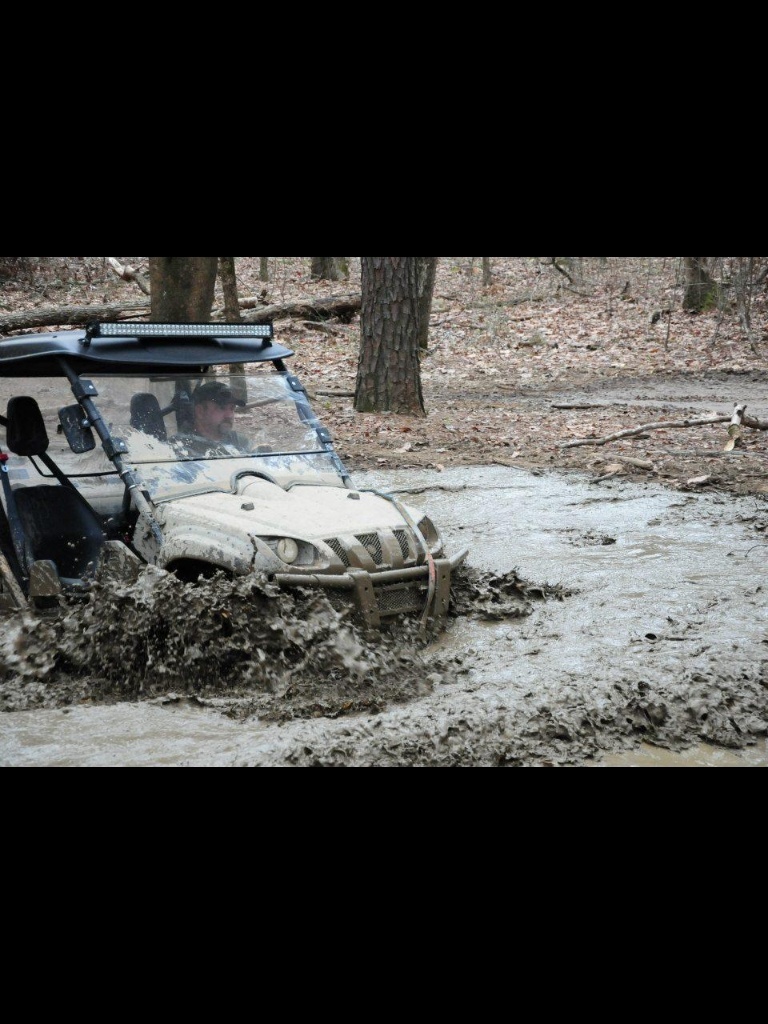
(287, 549)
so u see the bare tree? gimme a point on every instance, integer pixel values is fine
(388, 371)
(263, 268)
(229, 288)
(700, 288)
(182, 288)
(426, 268)
(487, 275)
(231, 313)
(329, 268)
(745, 277)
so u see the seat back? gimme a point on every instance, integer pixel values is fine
(147, 416)
(25, 430)
(59, 526)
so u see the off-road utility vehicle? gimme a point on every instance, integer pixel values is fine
(124, 475)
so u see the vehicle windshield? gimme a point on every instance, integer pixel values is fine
(215, 424)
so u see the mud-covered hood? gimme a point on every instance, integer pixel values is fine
(263, 508)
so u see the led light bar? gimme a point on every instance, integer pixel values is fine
(211, 330)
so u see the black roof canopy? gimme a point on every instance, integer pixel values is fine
(126, 350)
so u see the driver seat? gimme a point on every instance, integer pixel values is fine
(56, 521)
(147, 415)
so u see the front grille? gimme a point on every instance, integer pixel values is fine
(402, 539)
(372, 544)
(401, 597)
(338, 550)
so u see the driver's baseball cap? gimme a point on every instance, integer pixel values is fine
(215, 391)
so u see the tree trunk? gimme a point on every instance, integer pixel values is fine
(700, 289)
(182, 288)
(329, 268)
(231, 314)
(229, 288)
(263, 268)
(487, 275)
(426, 267)
(388, 371)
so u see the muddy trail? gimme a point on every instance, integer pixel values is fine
(592, 621)
(612, 611)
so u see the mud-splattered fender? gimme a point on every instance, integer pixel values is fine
(223, 540)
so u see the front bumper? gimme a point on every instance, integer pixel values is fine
(382, 595)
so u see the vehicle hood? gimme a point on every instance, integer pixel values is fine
(263, 508)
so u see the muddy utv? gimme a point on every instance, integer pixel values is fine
(121, 476)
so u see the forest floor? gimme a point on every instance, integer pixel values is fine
(531, 371)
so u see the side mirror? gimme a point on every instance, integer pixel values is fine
(76, 429)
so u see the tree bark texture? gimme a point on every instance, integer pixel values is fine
(388, 372)
(182, 288)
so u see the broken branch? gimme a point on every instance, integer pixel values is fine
(736, 420)
(128, 273)
(734, 428)
(663, 425)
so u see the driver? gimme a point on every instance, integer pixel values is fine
(213, 412)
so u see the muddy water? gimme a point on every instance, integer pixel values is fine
(664, 634)
(668, 583)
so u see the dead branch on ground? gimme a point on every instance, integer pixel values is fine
(738, 417)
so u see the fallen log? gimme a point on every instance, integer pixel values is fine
(344, 307)
(68, 316)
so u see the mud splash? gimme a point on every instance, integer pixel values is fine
(244, 647)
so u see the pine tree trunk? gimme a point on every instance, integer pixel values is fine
(182, 288)
(388, 373)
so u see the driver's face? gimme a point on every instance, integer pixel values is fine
(214, 419)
